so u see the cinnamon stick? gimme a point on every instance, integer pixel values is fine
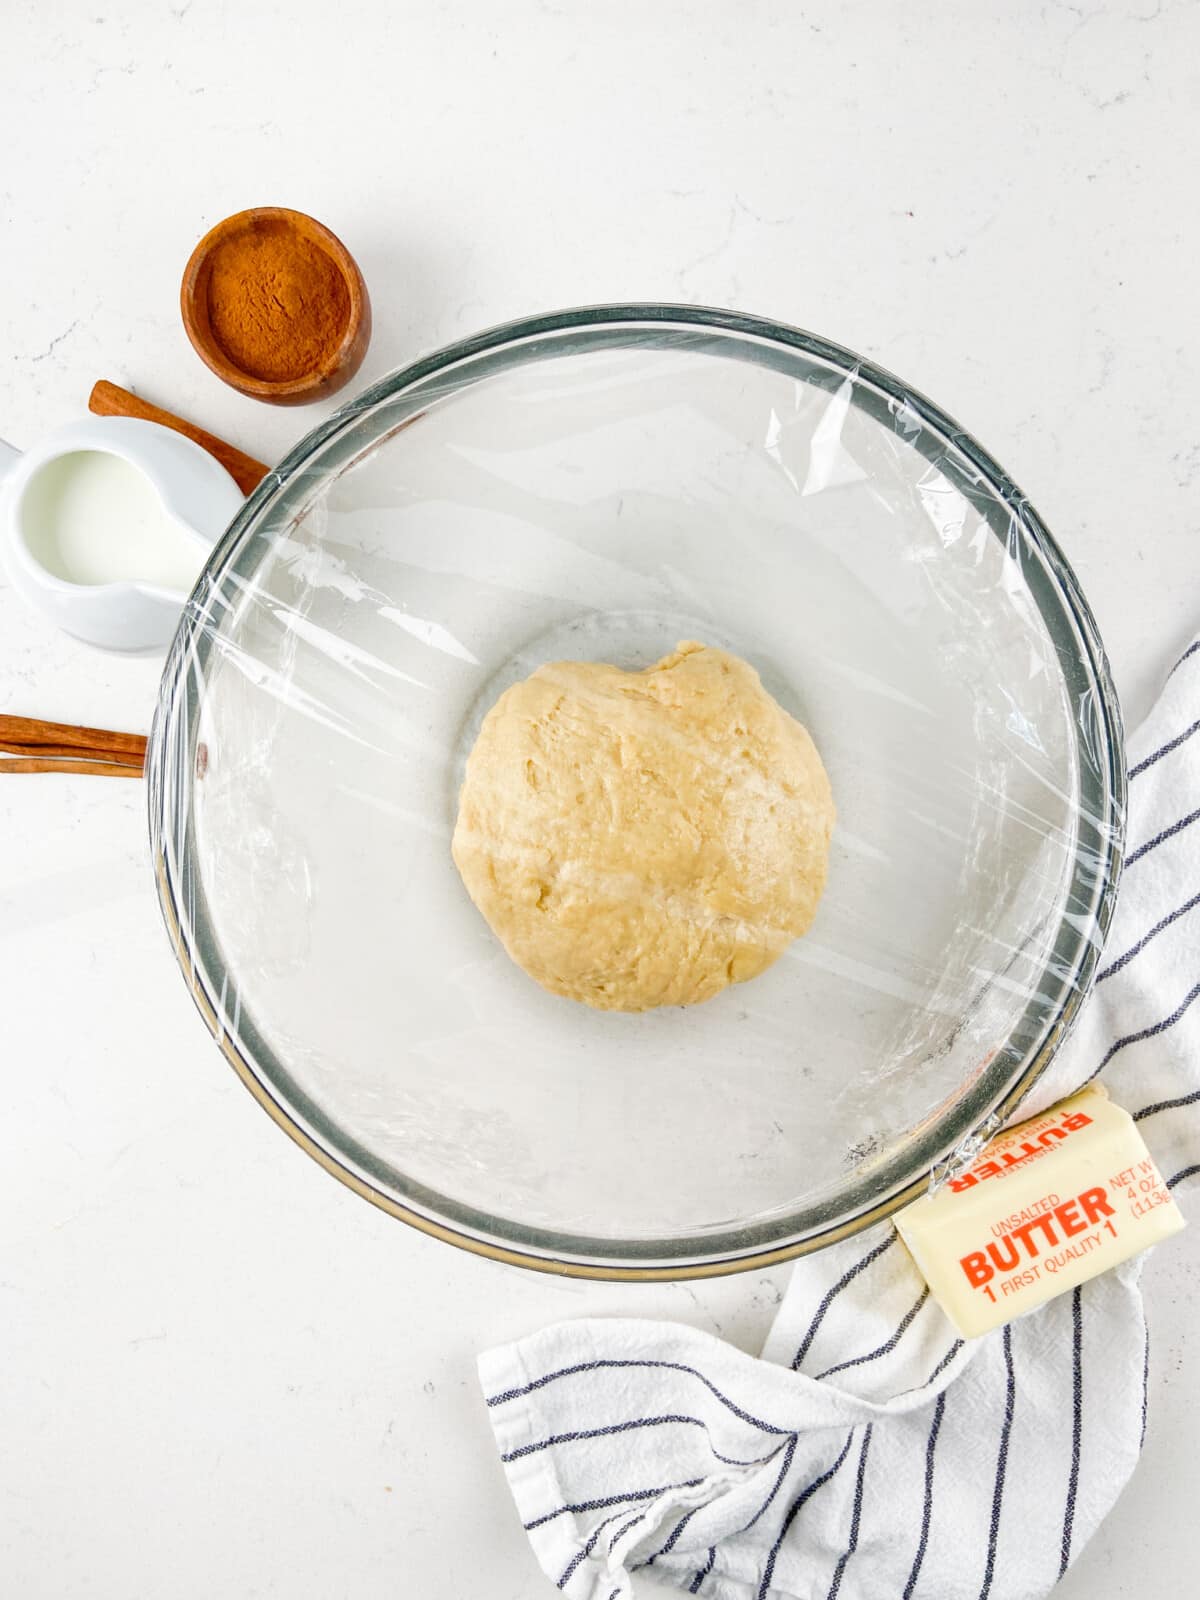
(110, 400)
(66, 752)
(34, 736)
(94, 769)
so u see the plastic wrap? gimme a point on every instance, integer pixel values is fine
(597, 486)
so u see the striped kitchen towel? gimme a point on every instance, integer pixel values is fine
(870, 1453)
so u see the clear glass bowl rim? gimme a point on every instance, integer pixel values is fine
(867, 1198)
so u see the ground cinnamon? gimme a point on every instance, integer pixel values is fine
(278, 305)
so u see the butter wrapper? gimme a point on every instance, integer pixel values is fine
(1045, 1206)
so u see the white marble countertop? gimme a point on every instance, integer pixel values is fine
(220, 1372)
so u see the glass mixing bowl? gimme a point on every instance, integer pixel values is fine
(600, 484)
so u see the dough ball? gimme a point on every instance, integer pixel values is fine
(640, 839)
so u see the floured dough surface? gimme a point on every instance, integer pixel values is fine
(640, 839)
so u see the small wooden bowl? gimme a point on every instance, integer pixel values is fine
(335, 367)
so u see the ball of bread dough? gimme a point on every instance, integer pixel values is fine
(640, 839)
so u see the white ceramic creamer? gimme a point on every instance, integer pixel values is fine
(106, 525)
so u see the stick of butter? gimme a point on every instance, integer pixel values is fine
(1045, 1206)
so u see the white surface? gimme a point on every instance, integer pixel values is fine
(219, 1371)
